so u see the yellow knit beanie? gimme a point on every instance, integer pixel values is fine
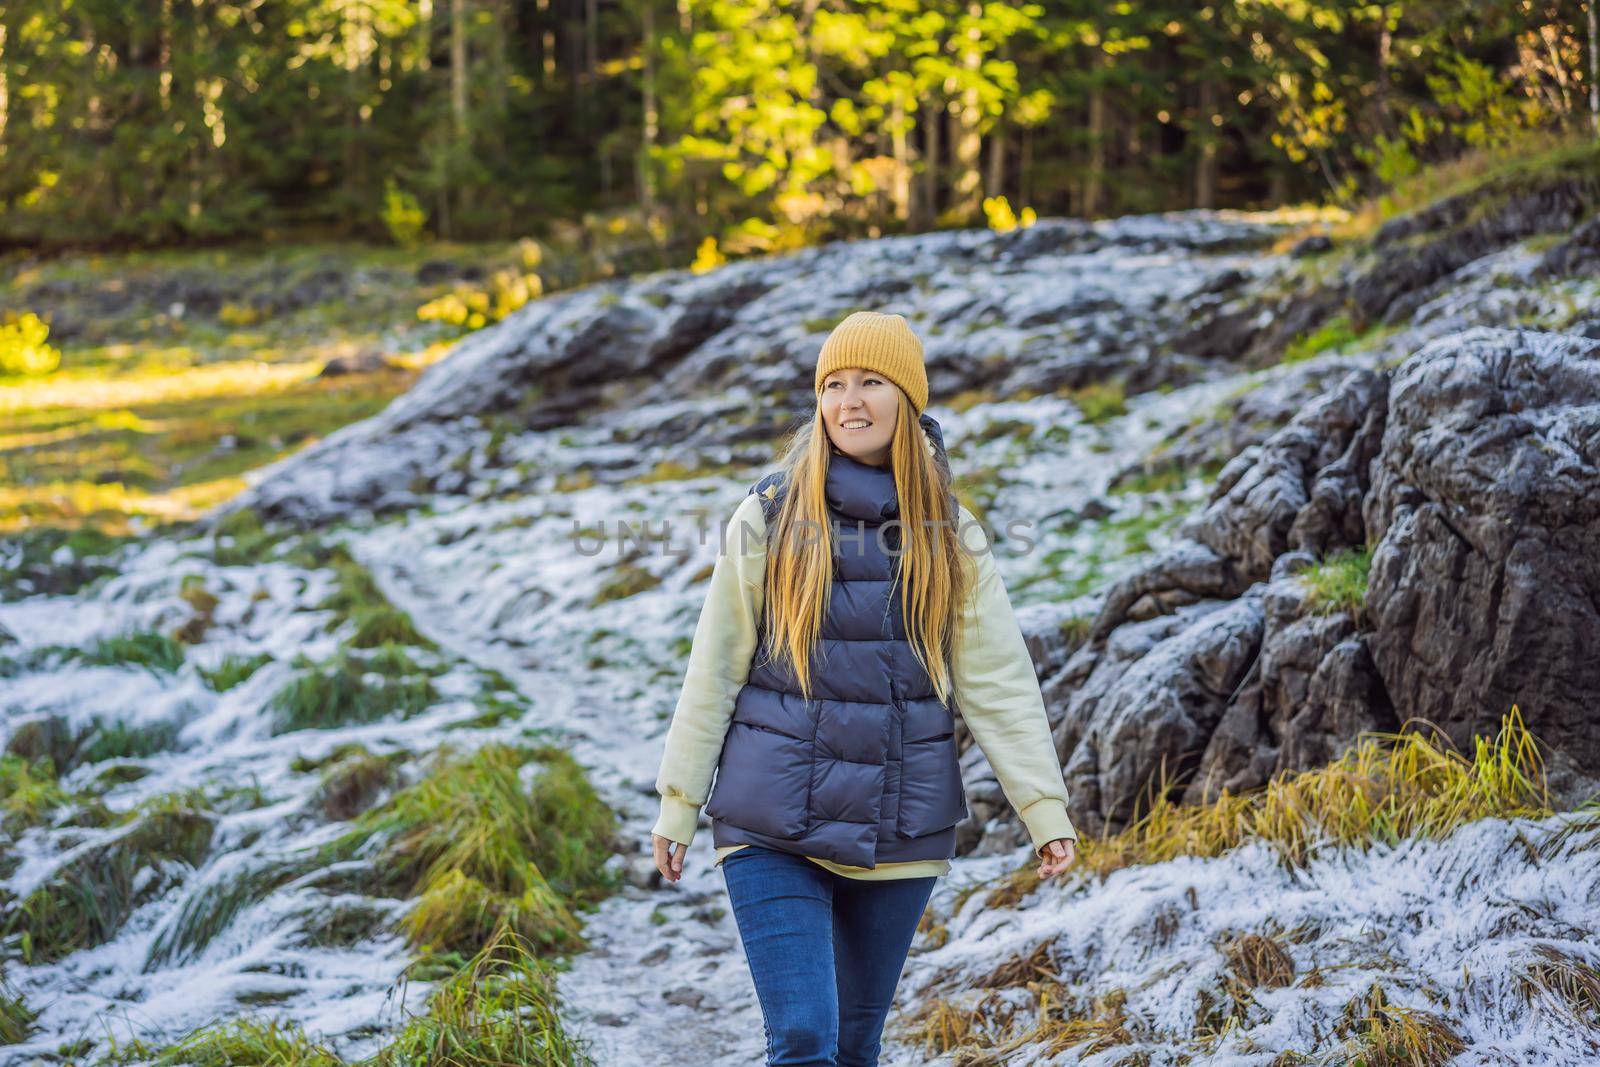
(875, 341)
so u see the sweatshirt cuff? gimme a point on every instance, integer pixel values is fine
(677, 820)
(1046, 820)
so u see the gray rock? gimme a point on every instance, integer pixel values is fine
(1311, 692)
(1485, 583)
(684, 996)
(1146, 714)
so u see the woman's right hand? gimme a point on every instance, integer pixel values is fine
(669, 857)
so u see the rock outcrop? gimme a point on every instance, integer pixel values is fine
(1471, 474)
(1485, 506)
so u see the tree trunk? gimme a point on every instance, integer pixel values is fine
(459, 124)
(1381, 86)
(1278, 188)
(499, 29)
(1205, 175)
(591, 66)
(5, 93)
(994, 181)
(928, 205)
(900, 183)
(1594, 67)
(966, 141)
(458, 71)
(1094, 178)
(650, 126)
(1025, 170)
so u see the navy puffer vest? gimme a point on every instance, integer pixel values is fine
(866, 772)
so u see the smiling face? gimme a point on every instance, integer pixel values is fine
(860, 408)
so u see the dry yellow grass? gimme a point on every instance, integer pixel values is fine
(1386, 787)
(93, 389)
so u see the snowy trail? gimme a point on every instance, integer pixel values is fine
(502, 587)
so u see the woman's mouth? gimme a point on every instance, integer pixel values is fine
(854, 424)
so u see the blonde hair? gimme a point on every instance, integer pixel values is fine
(933, 573)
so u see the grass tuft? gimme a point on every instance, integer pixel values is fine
(29, 791)
(234, 670)
(985, 1029)
(358, 600)
(16, 1018)
(1259, 961)
(87, 899)
(1386, 787)
(149, 649)
(1567, 980)
(121, 741)
(498, 1009)
(482, 849)
(1391, 1035)
(211, 909)
(350, 687)
(1338, 583)
(242, 539)
(1099, 401)
(248, 1042)
(353, 781)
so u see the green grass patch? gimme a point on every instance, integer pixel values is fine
(1334, 333)
(625, 580)
(823, 323)
(120, 741)
(352, 687)
(358, 600)
(1532, 159)
(89, 898)
(671, 470)
(1160, 480)
(241, 539)
(210, 909)
(997, 428)
(970, 398)
(1338, 583)
(16, 1018)
(55, 560)
(243, 1042)
(500, 1008)
(29, 792)
(1099, 401)
(234, 670)
(153, 651)
(501, 837)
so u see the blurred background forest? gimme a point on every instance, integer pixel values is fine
(762, 124)
(228, 227)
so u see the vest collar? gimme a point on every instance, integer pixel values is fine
(863, 492)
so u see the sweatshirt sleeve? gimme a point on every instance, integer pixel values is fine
(998, 695)
(719, 664)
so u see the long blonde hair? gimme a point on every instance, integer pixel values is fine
(933, 573)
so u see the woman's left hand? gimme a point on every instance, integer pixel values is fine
(1057, 856)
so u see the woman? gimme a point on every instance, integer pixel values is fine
(854, 606)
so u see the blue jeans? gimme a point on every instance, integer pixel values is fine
(825, 951)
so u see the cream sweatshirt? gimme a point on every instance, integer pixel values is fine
(995, 686)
